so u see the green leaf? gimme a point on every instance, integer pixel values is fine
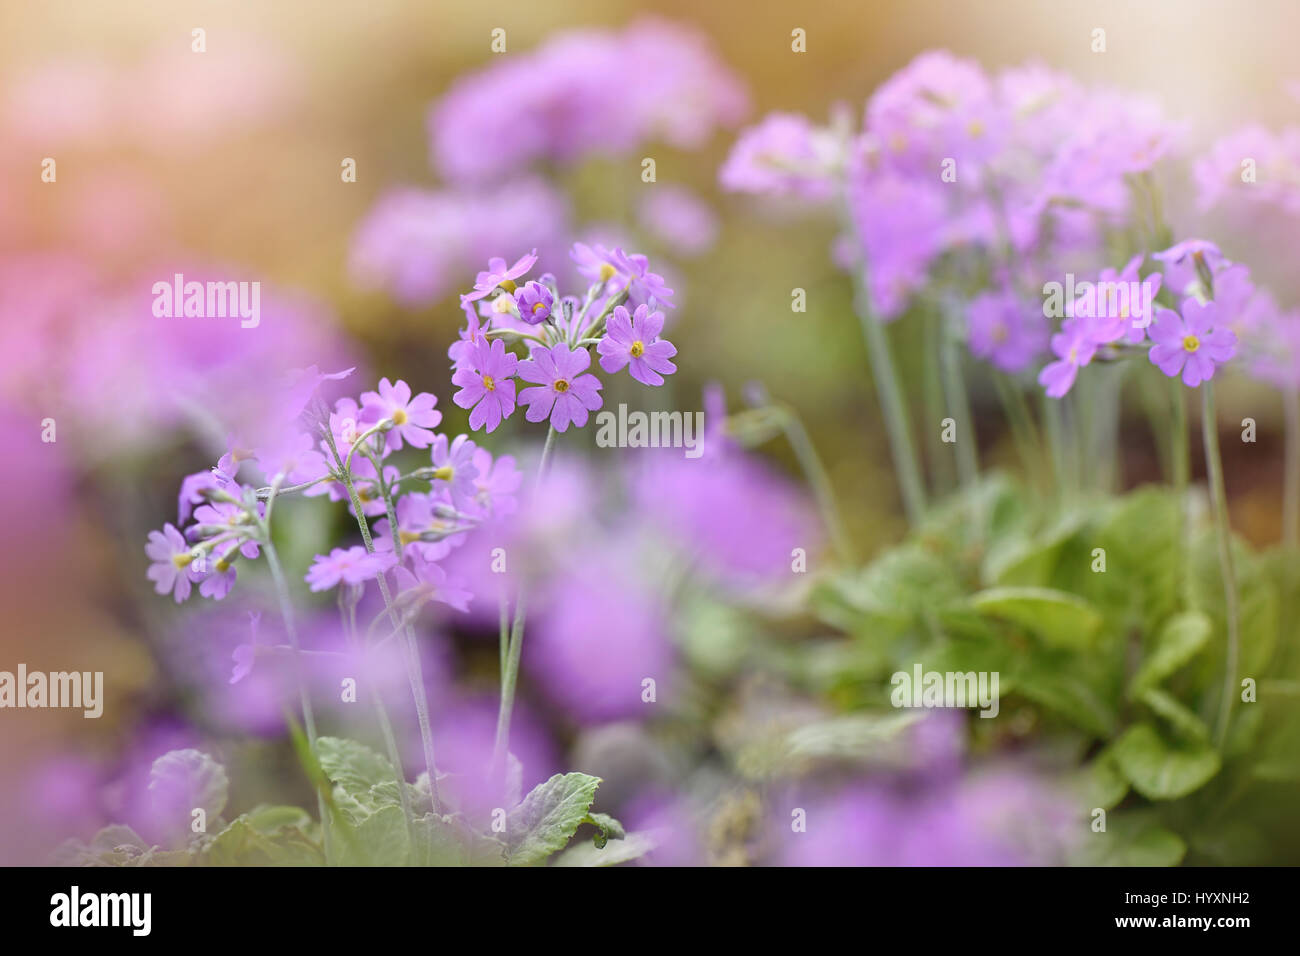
(381, 838)
(1161, 770)
(610, 829)
(1057, 618)
(893, 593)
(182, 781)
(364, 781)
(1131, 840)
(241, 844)
(1179, 640)
(1101, 783)
(634, 846)
(1181, 720)
(548, 817)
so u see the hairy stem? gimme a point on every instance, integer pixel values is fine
(815, 473)
(1291, 481)
(1223, 532)
(510, 672)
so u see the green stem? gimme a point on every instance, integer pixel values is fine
(510, 673)
(1182, 469)
(815, 472)
(1023, 430)
(1223, 531)
(1291, 481)
(286, 612)
(940, 462)
(958, 402)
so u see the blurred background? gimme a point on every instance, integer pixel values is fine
(228, 163)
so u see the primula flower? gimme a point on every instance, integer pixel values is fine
(417, 514)
(171, 557)
(218, 581)
(563, 392)
(1192, 344)
(1186, 261)
(1116, 306)
(232, 516)
(634, 341)
(783, 155)
(496, 483)
(413, 418)
(434, 580)
(1003, 331)
(453, 464)
(616, 269)
(486, 379)
(353, 566)
(192, 489)
(292, 458)
(1074, 348)
(534, 302)
(498, 274)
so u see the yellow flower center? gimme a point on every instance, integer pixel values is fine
(975, 128)
(561, 384)
(223, 565)
(606, 272)
(638, 348)
(538, 307)
(508, 285)
(1191, 343)
(489, 383)
(409, 537)
(182, 561)
(444, 473)
(399, 417)
(999, 333)
(1074, 354)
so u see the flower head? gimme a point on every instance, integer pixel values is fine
(453, 464)
(412, 418)
(1074, 348)
(352, 566)
(617, 269)
(1004, 331)
(534, 302)
(486, 380)
(171, 556)
(634, 341)
(1193, 343)
(498, 274)
(563, 391)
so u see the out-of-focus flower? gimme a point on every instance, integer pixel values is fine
(568, 99)
(413, 418)
(351, 566)
(1074, 348)
(783, 155)
(679, 219)
(1004, 331)
(453, 467)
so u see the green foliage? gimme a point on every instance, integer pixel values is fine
(548, 817)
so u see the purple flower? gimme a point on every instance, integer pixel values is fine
(679, 219)
(496, 483)
(1003, 331)
(563, 392)
(192, 488)
(413, 418)
(1119, 305)
(416, 516)
(243, 656)
(616, 269)
(1191, 344)
(232, 516)
(635, 341)
(783, 155)
(171, 557)
(217, 583)
(534, 302)
(486, 380)
(353, 566)
(440, 587)
(1185, 262)
(1074, 348)
(454, 465)
(293, 458)
(498, 274)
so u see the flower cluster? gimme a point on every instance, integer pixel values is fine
(569, 99)
(347, 452)
(559, 331)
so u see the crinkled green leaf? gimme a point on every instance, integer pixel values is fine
(548, 817)
(1131, 840)
(632, 847)
(1182, 721)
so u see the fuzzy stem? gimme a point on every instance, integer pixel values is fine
(1181, 466)
(1222, 530)
(1291, 480)
(510, 672)
(954, 390)
(815, 472)
(286, 612)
